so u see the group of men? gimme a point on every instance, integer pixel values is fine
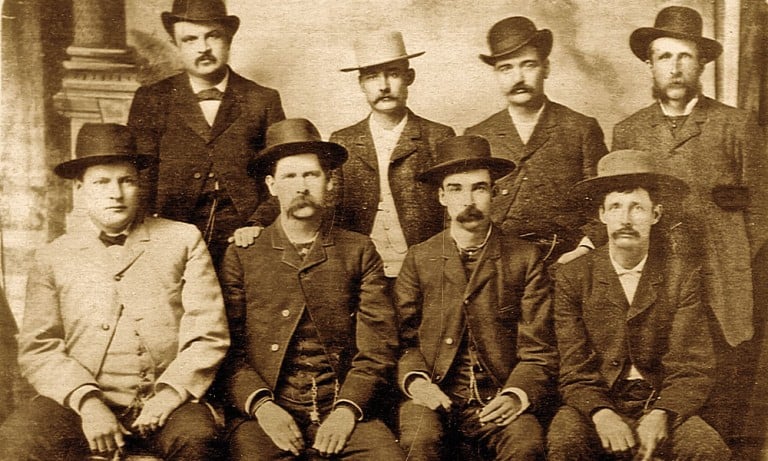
(398, 255)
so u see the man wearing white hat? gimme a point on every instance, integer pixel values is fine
(636, 352)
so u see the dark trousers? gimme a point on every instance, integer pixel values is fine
(428, 435)
(43, 430)
(370, 440)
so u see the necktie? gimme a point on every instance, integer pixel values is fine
(109, 240)
(211, 94)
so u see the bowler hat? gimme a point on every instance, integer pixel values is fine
(100, 143)
(199, 11)
(465, 153)
(511, 34)
(676, 22)
(627, 168)
(295, 136)
(380, 47)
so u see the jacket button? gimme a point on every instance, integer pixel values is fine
(449, 341)
(274, 347)
(197, 175)
(505, 192)
(286, 312)
(105, 326)
(210, 175)
(466, 302)
(118, 277)
(438, 377)
(615, 363)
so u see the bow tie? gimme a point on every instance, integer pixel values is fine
(211, 94)
(621, 272)
(109, 240)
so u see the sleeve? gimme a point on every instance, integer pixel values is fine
(8, 354)
(375, 335)
(146, 120)
(593, 149)
(275, 111)
(754, 160)
(203, 330)
(581, 384)
(266, 213)
(408, 302)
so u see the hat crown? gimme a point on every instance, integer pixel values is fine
(100, 139)
(379, 47)
(679, 19)
(626, 162)
(510, 33)
(199, 10)
(459, 148)
(292, 130)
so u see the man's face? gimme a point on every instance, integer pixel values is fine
(521, 76)
(467, 197)
(676, 69)
(300, 185)
(386, 86)
(111, 195)
(203, 48)
(629, 217)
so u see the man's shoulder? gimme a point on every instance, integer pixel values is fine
(723, 112)
(638, 116)
(249, 86)
(157, 225)
(566, 114)
(352, 131)
(431, 126)
(490, 124)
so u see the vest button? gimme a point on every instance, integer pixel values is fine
(449, 341)
(615, 363)
(286, 313)
(274, 347)
(505, 192)
(197, 175)
(105, 326)
(210, 175)
(118, 277)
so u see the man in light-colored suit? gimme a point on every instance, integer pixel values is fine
(124, 326)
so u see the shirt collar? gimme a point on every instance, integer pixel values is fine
(475, 248)
(622, 271)
(378, 130)
(536, 120)
(221, 86)
(688, 107)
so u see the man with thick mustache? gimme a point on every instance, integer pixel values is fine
(636, 354)
(553, 146)
(205, 125)
(314, 336)
(478, 349)
(719, 151)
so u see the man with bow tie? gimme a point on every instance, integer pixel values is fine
(124, 326)
(205, 124)
(636, 352)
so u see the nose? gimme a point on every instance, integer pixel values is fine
(384, 85)
(625, 216)
(204, 45)
(115, 190)
(676, 67)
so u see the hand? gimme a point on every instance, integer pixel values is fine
(245, 236)
(157, 410)
(651, 430)
(573, 254)
(335, 431)
(100, 426)
(615, 435)
(428, 394)
(502, 410)
(279, 425)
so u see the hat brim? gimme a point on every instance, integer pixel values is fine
(590, 192)
(334, 155)
(641, 39)
(231, 22)
(542, 40)
(71, 169)
(498, 167)
(367, 65)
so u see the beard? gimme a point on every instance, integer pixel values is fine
(303, 202)
(470, 214)
(691, 89)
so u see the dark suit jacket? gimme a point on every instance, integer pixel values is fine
(341, 282)
(420, 213)
(563, 149)
(8, 351)
(717, 145)
(167, 121)
(506, 303)
(664, 333)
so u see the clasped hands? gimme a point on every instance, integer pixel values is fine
(616, 436)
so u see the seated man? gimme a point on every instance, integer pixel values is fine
(314, 336)
(124, 326)
(476, 326)
(636, 355)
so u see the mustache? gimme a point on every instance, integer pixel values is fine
(691, 89)
(385, 96)
(521, 86)
(625, 231)
(303, 201)
(207, 55)
(470, 214)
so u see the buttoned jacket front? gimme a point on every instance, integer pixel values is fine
(506, 304)
(664, 333)
(340, 284)
(167, 121)
(77, 291)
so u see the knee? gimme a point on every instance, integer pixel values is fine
(523, 439)
(420, 427)
(193, 437)
(697, 440)
(568, 436)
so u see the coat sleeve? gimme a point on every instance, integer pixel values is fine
(375, 335)
(408, 302)
(146, 120)
(43, 356)
(593, 149)
(203, 331)
(581, 384)
(752, 147)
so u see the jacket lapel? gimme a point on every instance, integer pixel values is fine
(135, 245)
(362, 146)
(692, 126)
(647, 289)
(508, 140)
(453, 269)
(185, 104)
(407, 143)
(606, 276)
(486, 266)
(541, 132)
(229, 109)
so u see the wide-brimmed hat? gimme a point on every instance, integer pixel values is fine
(627, 168)
(511, 34)
(100, 143)
(465, 153)
(295, 136)
(676, 22)
(379, 47)
(199, 11)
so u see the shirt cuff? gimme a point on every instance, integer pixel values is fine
(524, 402)
(75, 399)
(183, 393)
(586, 243)
(352, 404)
(255, 397)
(408, 379)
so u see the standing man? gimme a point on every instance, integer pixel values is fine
(205, 125)
(719, 151)
(479, 356)
(553, 146)
(314, 336)
(124, 326)
(636, 354)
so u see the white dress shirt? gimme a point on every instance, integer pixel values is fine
(629, 279)
(210, 108)
(525, 129)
